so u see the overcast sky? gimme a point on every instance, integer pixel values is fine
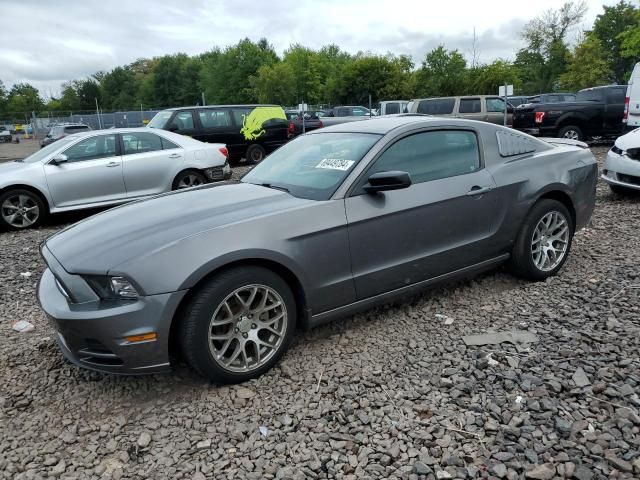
(46, 42)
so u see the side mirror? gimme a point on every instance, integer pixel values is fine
(172, 128)
(383, 181)
(58, 159)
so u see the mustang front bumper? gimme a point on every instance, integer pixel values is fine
(93, 334)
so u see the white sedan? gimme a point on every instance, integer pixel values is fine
(622, 166)
(104, 168)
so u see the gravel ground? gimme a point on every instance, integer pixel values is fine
(11, 151)
(390, 393)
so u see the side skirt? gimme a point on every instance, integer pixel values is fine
(352, 308)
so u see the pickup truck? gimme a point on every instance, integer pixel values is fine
(596, 112)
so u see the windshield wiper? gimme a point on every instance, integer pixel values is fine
(275, 187)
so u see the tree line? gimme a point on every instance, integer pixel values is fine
(252, 72)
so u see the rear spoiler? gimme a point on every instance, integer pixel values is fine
(559, 142)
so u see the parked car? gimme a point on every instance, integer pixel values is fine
(485, 108)
(349, 111)
(343, 114)
(390, 107)
(103, 168)
(622, 166)
(311, 122)
(248, 131)
(335, 221)
(60, 131)
(596, 112)
(631, 116)
(5, 134)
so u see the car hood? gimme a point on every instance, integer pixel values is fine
(630, 140)
(10, 167)
(99, 243)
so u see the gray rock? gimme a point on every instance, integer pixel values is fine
(421, 469)
(144, 440)
(546, 471)
(500, 470)
(580, 378)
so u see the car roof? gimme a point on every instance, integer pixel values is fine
(601, 87)
(252, 105)
(383, 125)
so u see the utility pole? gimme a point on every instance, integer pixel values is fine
(203, 102)
(98, 114)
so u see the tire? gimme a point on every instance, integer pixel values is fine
(187, 179)
(571, 132)
(238, 327)
(30, 208)
(526, 262)
(624, 191)
(255, 153)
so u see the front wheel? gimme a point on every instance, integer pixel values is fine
(188, 179)
(238, 325)
(544, 241)
(21, 209)
(255, 153)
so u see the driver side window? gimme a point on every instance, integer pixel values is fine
(91, 148)
(428, 156)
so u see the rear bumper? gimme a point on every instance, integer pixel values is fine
(92, 334)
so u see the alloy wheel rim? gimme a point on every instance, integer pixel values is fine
(571, 135)
(247, 328)
(189, 181)
(550, 241)
(256, 155)
(20, 211)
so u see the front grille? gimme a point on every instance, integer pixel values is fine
(632, 179)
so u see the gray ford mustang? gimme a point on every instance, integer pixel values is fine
(333, 222)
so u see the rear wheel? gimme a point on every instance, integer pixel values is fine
(188, 178)
(20, 209)
(255, 153)
(571, 132)
(544, 241)
(238, 325)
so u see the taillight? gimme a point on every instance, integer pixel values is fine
(224, 151)
(625, 116)
(320, 124)
(540, 116)
(292, 128)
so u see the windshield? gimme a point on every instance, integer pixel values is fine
(312, 166)
(52, 147)
(160, 119)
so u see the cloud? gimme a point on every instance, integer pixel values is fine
(68, 39)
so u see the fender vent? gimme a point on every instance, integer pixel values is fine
(511, 144)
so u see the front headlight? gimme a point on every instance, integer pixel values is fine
(111, 288)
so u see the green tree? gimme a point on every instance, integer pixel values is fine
(305, 68)
(4, 98)
(544, 58)
(442, 73)
(275, 84)
(118, 89)
(609, 28)
(68, 99)
(587, 66)
(630, 41)
(24, 99)
(487, 79)
(226, 78)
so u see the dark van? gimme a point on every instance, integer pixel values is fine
(249, 131)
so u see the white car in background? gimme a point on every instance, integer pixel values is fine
(103, 168)
(622, 166)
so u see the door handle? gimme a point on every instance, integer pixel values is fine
(113, 164)
(175, 155)
(477, 190)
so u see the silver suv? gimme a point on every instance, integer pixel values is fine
(486, 108)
